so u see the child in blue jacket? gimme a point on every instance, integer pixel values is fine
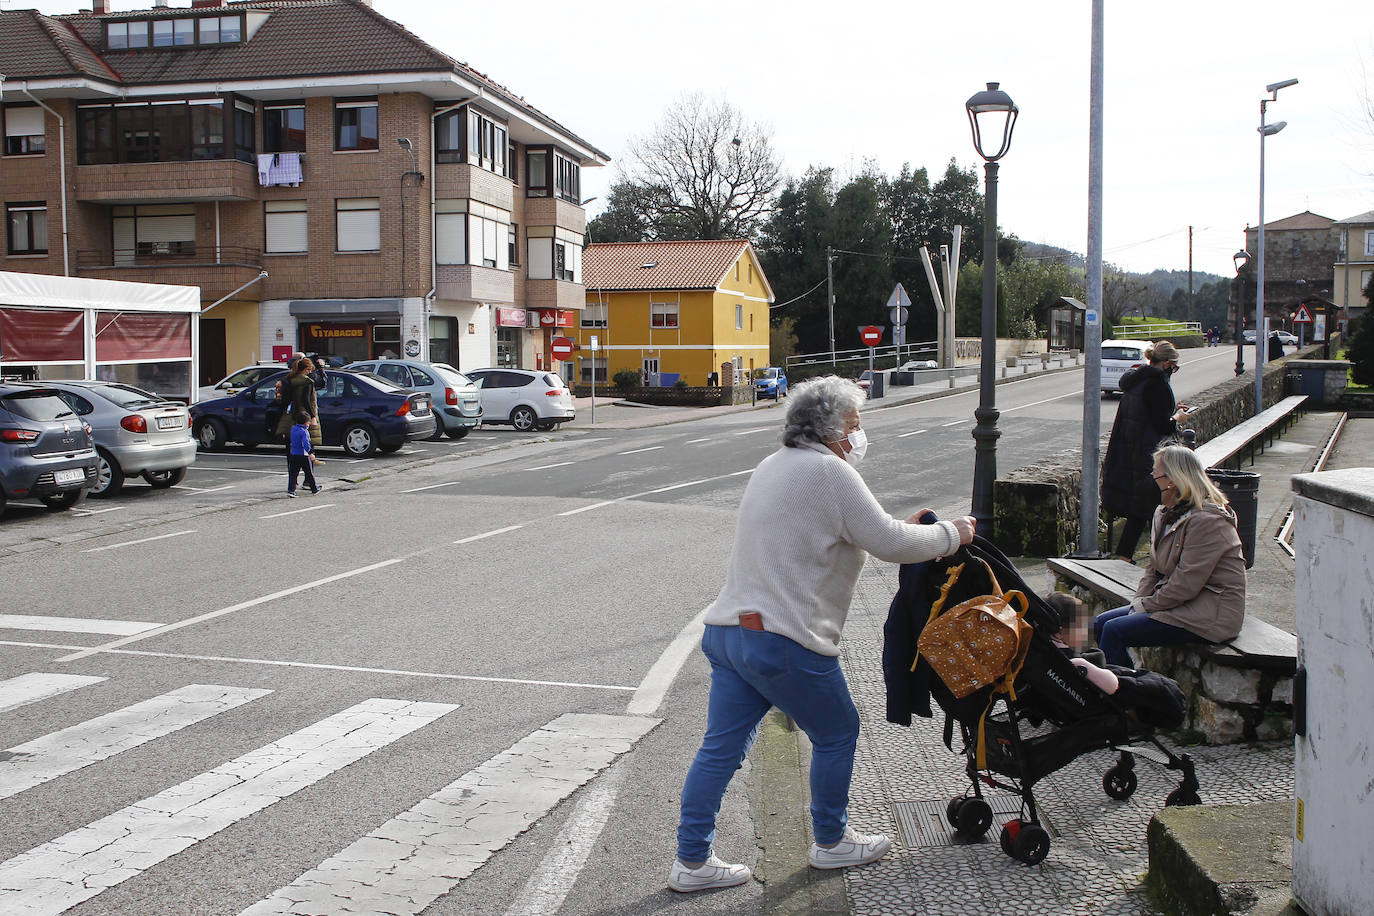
(300, 456)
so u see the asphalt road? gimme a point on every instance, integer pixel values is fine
(389, 668)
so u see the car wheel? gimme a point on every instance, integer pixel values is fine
(61, 502)
(109, 476)
(161, 480)
(390, 447)
(211, 435)
(438, 429)
(523, 418)
(458, 432)
(360, 441)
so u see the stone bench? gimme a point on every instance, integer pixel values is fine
(1240, 690)
(1260, 429)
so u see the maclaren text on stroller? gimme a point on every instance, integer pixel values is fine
(1046, 694)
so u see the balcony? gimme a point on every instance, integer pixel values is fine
(555, 211)
(454, 180)
(467, 283)
(554, 294)
(147, 182)
(177, 264)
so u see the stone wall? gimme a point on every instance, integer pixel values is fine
(1035, 508)
(1226, 705)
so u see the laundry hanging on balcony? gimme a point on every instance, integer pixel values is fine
(279, 169)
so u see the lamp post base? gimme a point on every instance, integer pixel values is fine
(985, 436)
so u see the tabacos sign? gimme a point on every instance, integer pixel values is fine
(336, 331)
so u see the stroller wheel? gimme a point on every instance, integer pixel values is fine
(1119, 783)
(1031, 844)
(1182, 797)
(1004, 839)
(975, 817)
(952, 810)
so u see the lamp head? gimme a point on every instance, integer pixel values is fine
(1241, 258)
(405, 144)
(1282, 84)
(1269, 130)
(991, 111)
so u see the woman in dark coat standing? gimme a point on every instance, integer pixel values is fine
(298, 393)
(1147, 415)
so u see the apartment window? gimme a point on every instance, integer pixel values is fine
(286, 227)
(448, 137)
(487, 242)
(207, 129)
(355, 125)
(513, 244)
(172, 130)
(121, 35)
(594, 315)
(244, 139)
(663, 314)
(451, 231)
(651, 365)
(152, 231)
(184, 32)
(162, 33)
(26, 227)
(537, 173)
(739, 317)
(487, 143)
(750, 274)
(568, 178)
(230, 29)
(24, 130)
(512, 171)
(600, 363)
(283, 128)
(1369, 242)
(209, 31)
(358, 224)
(1365, 277)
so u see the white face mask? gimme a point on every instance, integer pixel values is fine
(858, 446)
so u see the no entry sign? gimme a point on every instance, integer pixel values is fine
(871, 335)
(562, 348)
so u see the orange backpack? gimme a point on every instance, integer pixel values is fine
(980, 642)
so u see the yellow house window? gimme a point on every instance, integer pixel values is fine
(739, 317)
(663, 314)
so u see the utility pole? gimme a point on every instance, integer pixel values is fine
(1089, 498)
(830, 297)
(1190, 273)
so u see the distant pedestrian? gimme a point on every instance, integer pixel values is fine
(1275, 345)
(772, 635)
(300, 455)
(298, 393)
(1216, 337)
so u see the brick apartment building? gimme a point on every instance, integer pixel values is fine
(398, 201)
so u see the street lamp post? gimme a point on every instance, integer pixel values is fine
(989, 112)
(1265, 130)
(1241, 258)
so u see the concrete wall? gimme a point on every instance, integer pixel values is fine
(1333, 849)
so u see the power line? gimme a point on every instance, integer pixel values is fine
(802, 296)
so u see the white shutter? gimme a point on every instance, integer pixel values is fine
(23, 122)
(287, 227)
(167, 228)
(123, 240)
(490, 248)
(540, 262)
(574, 262)
(450, 233)
(358, 224)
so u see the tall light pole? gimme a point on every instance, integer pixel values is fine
(989, 112)
(1089, 497)
(1241, 258)
(1265, 130)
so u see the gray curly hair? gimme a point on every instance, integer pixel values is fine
(816, 410)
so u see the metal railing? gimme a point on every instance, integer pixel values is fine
(1158, 330)
(169, 254)
(884, 357)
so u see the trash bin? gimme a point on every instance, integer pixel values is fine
(877, 385)
(1241, 489)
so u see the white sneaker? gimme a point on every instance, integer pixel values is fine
(853, 849)
(711, 873)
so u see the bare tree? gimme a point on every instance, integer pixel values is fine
(705, 172)
(1121, 293)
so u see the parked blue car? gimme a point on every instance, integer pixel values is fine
(359, 411)
(770, 383)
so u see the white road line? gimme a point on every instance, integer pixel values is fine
(35, 762)
(1071, 394)
(419, 855)
(954, 423)
(636, 451)
(545, 891)
(278, 663)
(30, 688)
(182, 486)
(545, 467)
(487, 534)
(59, 874)
(914, 432)
(434, 486)
(74, 624)
(167, 628)
(158, 537)
(695, 441)
(299, 511)
(252, 471)
(97, 511)
(676, 486)
(590, 508)
(651, 691)
(756, 429)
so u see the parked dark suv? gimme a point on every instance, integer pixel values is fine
(46, 451)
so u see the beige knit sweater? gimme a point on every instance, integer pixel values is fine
(805, 522)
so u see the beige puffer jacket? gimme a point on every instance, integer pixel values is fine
(1196, 575)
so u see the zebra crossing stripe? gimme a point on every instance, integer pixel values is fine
(419, 855)
(30, 688)
(35, 762)
(57, 875)
(75, 624)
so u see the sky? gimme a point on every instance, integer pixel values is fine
(842, 84)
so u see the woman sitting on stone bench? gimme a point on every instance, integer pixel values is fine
(1193, 588)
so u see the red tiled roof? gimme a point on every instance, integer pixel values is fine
(698, 264)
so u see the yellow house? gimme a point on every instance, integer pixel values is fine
(678, 310)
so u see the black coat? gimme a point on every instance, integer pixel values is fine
(1144, 419)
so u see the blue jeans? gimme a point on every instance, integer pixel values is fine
(1117, 629)
(751, 671)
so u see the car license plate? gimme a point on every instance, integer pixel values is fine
(169, 423)
(74, 475)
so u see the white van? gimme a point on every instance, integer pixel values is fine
(1119, 356)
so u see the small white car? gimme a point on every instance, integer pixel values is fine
(238, 380)
(526, 399)
(916, 365)
(1119, 356)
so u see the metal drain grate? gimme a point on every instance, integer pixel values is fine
(923, 823)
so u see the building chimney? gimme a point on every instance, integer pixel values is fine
(100, 7)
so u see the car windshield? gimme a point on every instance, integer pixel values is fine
(765, 373)
(127, 396)
(37, 405)
(451, 375)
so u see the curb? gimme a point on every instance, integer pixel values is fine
(1223, 859)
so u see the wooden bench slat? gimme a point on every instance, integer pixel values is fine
(1222, 448)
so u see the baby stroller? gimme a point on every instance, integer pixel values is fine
(1068, 715)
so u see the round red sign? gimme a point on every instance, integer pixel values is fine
(871, 335)
(562, 348)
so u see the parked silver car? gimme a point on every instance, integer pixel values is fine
(136, 432)
(456, 403)
(524, 398)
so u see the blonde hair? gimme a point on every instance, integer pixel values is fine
(1162, 352)
(1186, 472)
